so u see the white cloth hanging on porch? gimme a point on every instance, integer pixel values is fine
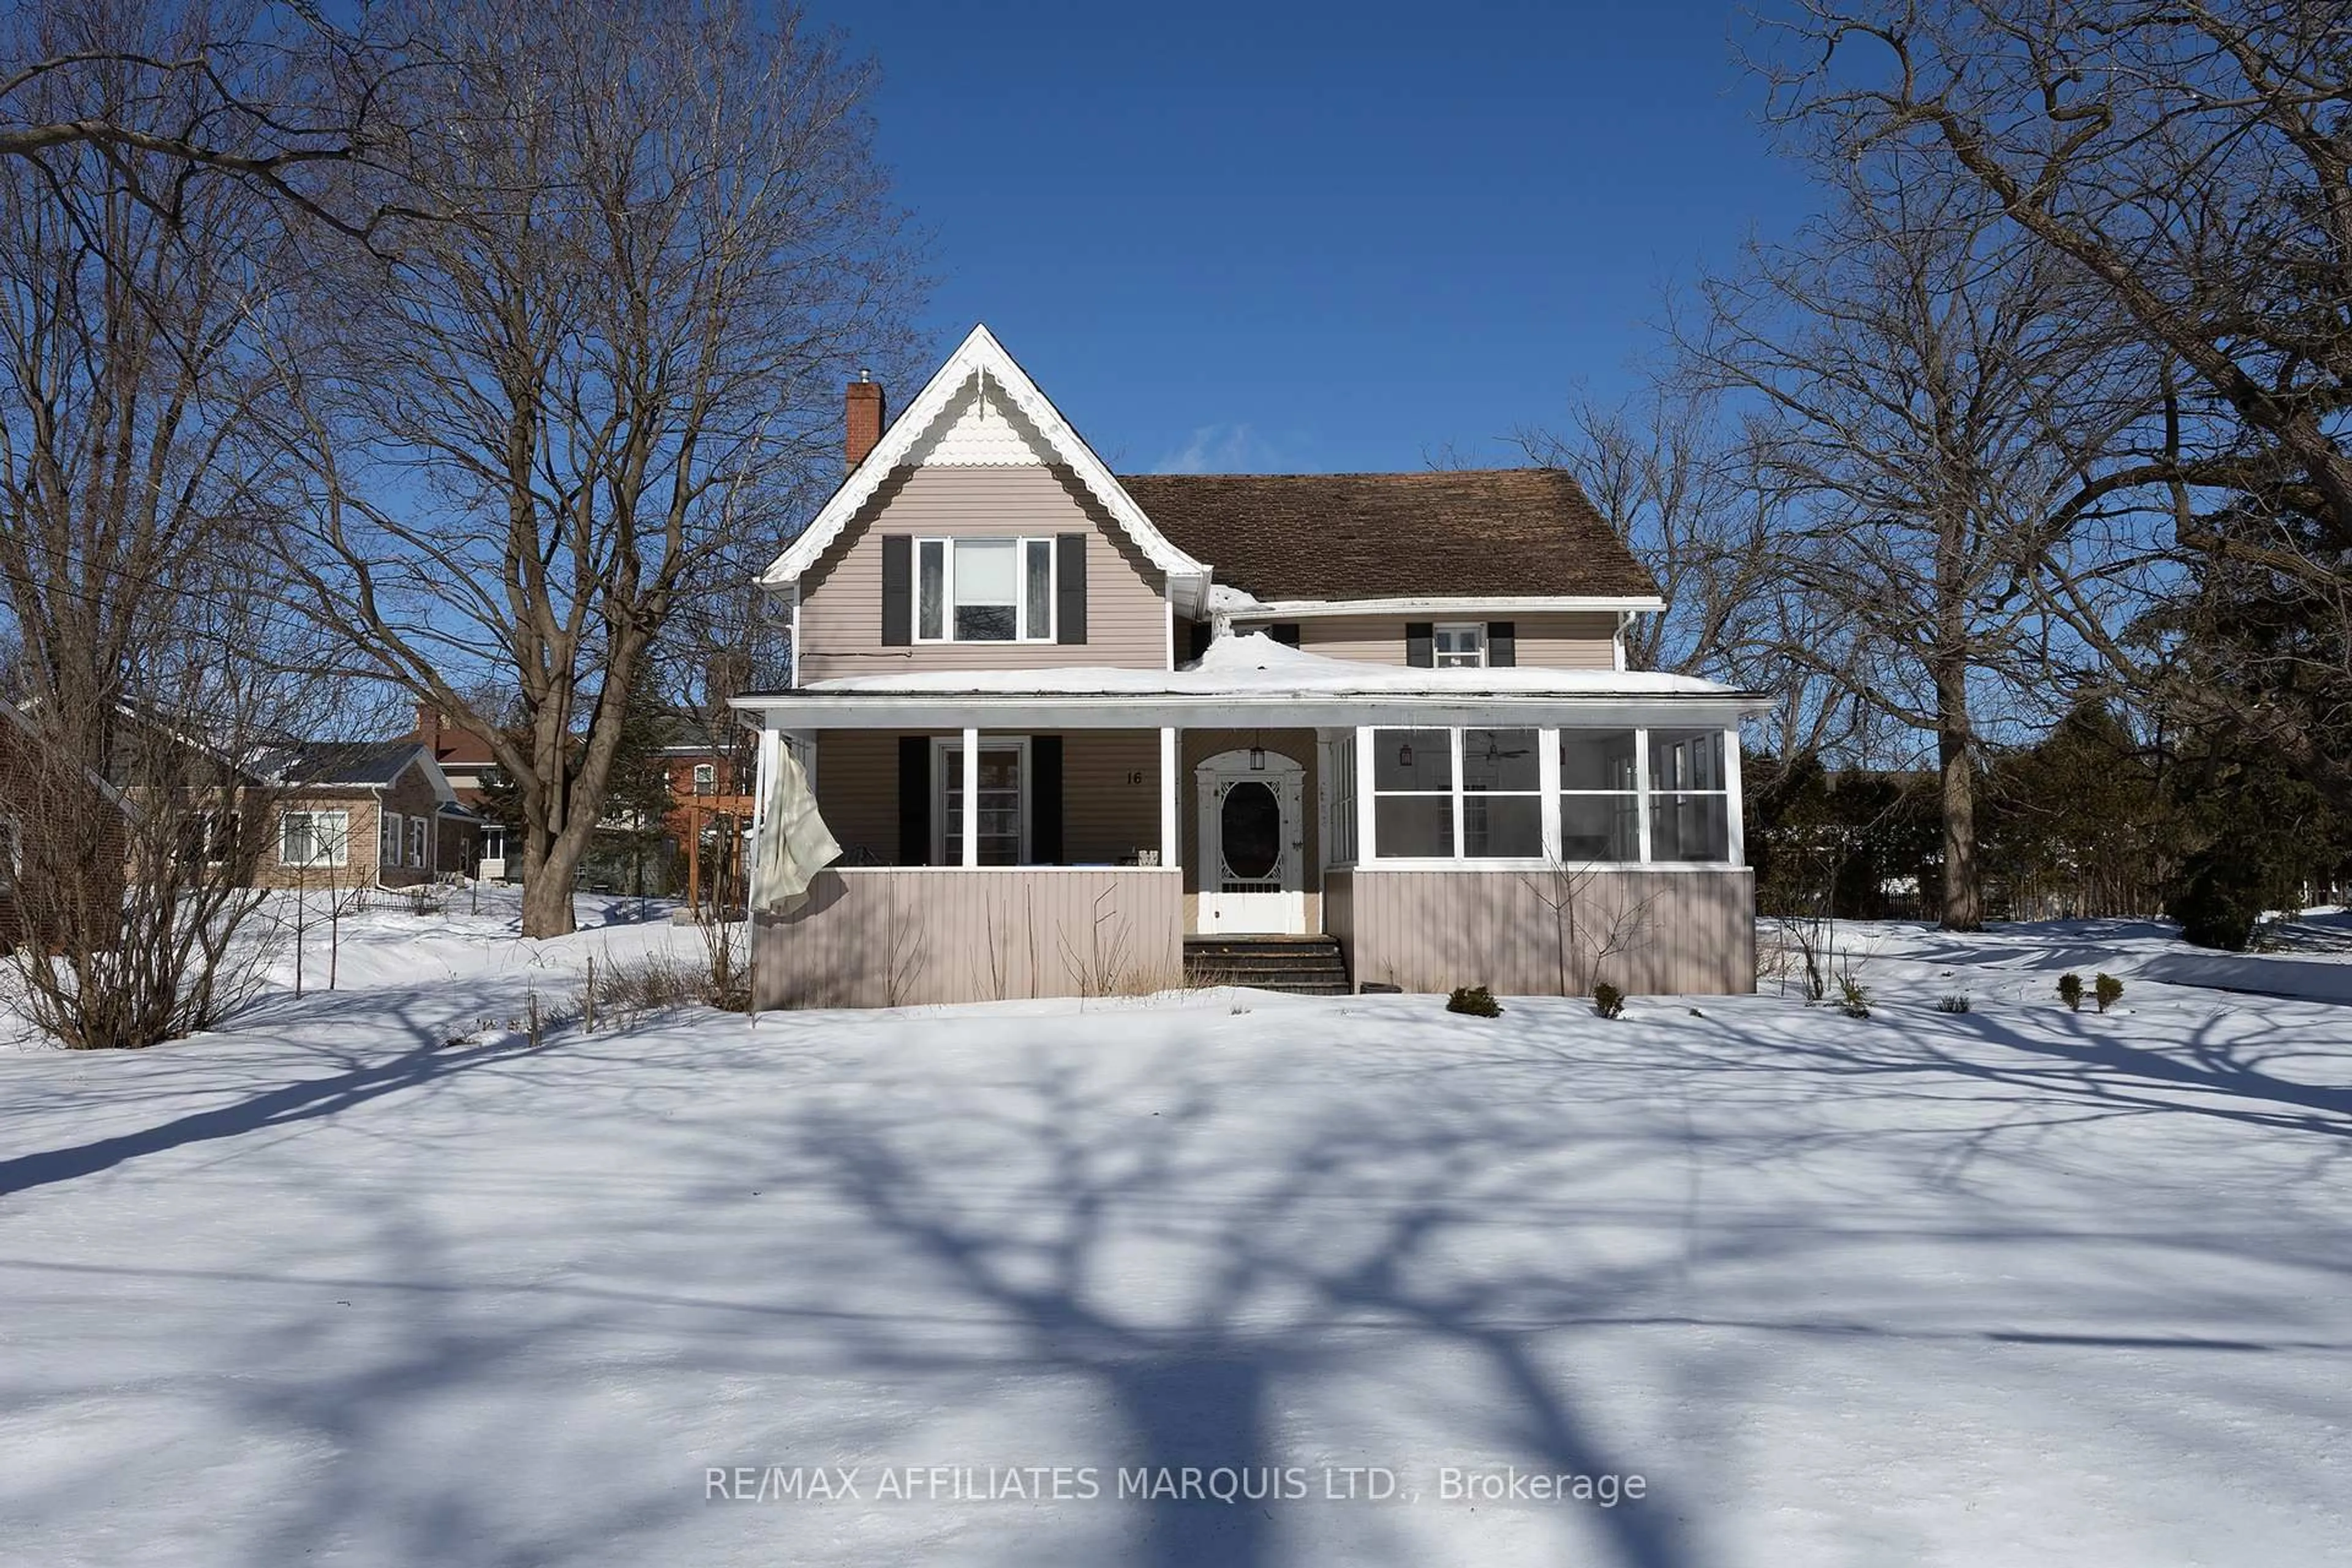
(794, 844)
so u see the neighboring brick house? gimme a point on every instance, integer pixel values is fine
(365, 812)
(480, 846)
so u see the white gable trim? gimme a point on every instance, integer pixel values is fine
(981, 354)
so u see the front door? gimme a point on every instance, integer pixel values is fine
(1253, 844)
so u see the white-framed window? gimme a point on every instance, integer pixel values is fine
(1690, 796)
(314, 838)
(1599, 802)
(420, 843)
(1457, 795)
(705, 778)
(1342, 775)
(984, 589)
(1003, 801)
(1458, 645)
(1413, 793)
(387, 840)
(1502, 794)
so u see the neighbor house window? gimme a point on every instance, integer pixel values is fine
(1600, 808)
(984, 589)
(1458, 646)
(419, 844)
(314, 837)
(1003, 815)
(1690, 801)
(387, 840)
(705, 778)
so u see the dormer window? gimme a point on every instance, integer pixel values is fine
(984, 589)
(1459, 645)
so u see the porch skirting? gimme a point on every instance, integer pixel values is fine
(1680, 932)
(895, 936)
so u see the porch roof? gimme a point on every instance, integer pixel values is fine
(1258, 680)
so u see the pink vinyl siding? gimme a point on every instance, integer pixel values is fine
(1693, 934)
(883, 937)
(841, 597)
(1581, 640)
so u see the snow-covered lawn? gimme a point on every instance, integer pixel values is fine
(2015, 1286)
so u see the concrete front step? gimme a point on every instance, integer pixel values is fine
(1307, 965)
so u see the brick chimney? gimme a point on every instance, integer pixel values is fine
(862, 421)
(428, 727)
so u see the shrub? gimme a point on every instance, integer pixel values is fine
(2217, 902)
(2108, 989)
(1958, 1002)
(1609, 1002)
(1476, 1000)
(1854, 997)
(2070, 991)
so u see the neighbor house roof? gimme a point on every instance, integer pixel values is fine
(1495, 532)
(357, 764)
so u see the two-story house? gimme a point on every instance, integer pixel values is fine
(1079, 732)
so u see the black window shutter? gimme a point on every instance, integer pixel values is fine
(1200, 634)
(1502, 644)
(897, 590)
(914, 800)
(1070, 590)
(1284, 632)
(1420, 644)
(1045, 799)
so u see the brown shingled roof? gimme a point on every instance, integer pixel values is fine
(1520, 533)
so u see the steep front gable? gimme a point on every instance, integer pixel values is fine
(981, 453)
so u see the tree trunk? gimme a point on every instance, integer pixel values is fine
(1963, 905)
(547, 895)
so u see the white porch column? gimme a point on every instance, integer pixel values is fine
(763, 773)
(1365, 848)
(971, 798)
(1547, 781)
(1642, 794)
(1737, 827)
(1171, 842)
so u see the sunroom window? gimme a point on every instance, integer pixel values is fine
(1690, 802)
(1600, 808)
(1413, 793)
(984, 589)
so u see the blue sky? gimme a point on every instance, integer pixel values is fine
(1291, 237)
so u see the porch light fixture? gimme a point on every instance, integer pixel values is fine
(1257, 759)
(1405, 756)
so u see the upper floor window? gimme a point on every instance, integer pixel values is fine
(705, 778)
(984, 589)
(1459, 645)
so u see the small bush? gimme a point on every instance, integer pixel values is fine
(1854, 997)
(2219, 900)
(1476, 1000)
(2070, 991)
(1609, 1002)
(2108, 989)
(1958, 1002)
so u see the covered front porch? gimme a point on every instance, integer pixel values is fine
(1531, 833)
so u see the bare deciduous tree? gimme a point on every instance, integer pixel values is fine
(545, 424)
(1930, 418)
(136, 487)
(2189, 165)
